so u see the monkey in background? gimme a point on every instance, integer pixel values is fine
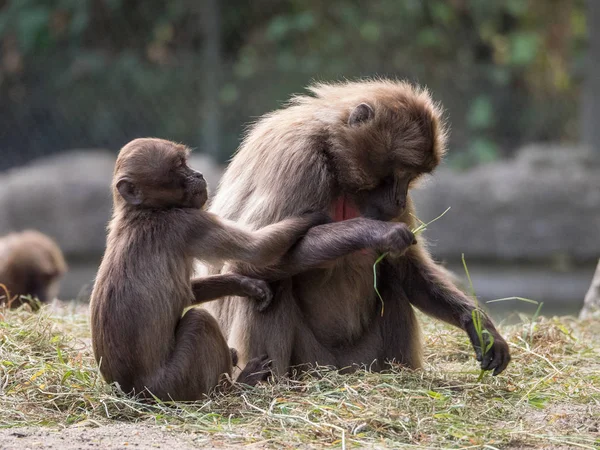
(354, 150)
(139, 336)
(31, 263)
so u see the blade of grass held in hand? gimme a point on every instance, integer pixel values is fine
(422, 227)
(377, 261)
(476, 316)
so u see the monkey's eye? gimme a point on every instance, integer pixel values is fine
(180, 163)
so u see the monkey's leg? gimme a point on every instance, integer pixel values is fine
(231, 284)
(199, 360)
(279, 332)
(428, 288)
(391, 336)
(398, 325)
(326, 243)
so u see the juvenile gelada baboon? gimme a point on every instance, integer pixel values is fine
(139, 337)
(31, 264)
(354, 150)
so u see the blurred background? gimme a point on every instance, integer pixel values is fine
(520, 80)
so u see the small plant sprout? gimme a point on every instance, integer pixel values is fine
(416, 231)
(377, 261)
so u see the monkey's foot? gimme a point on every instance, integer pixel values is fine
(257, 370)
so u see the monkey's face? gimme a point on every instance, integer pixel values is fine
(381, 151)
(154, 173)
(388, 199)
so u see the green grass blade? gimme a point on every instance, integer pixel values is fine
(424, 225)
(377, 261)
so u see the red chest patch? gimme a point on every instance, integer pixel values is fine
(344, 209)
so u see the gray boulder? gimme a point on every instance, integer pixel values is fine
(591, 304)
(210, 169)
(543, 205)
(528, 227)
(66, 196)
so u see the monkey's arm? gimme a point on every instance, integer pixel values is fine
(428, 288)
(231, 284)
(213, 239)
(326, 243)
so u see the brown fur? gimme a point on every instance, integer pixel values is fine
(365, 143)
(139, 336)
(31, 263)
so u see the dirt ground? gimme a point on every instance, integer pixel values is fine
(114, 436)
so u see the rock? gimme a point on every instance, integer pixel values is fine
(542, 206)
(210, 169)
(528, 226)
(591, 303)
(66, 197)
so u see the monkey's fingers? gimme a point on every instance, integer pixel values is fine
(397, 239)
(497, 358)
(501, 358)
(503, 365)
(266, 369)
(259, 291)
(487, 359)
(234, 356)
(264, 300)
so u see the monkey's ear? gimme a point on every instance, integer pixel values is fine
(360, 114)
(130, 193)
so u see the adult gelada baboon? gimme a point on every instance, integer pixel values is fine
(139, 336)
(31, 263)
(352, 149)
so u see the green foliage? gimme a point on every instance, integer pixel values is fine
(495, 65)
(547, 397)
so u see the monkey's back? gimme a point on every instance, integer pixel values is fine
(283, 152)
(139, 295)
(30, 262)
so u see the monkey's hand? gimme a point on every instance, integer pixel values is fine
(397, 239)
(234, 356)
(257, 290)
(257, 370)
(497, 356)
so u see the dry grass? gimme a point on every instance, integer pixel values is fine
(549, 396)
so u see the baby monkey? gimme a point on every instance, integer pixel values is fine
(139, 336)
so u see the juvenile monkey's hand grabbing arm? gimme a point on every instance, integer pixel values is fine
(232, 284)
